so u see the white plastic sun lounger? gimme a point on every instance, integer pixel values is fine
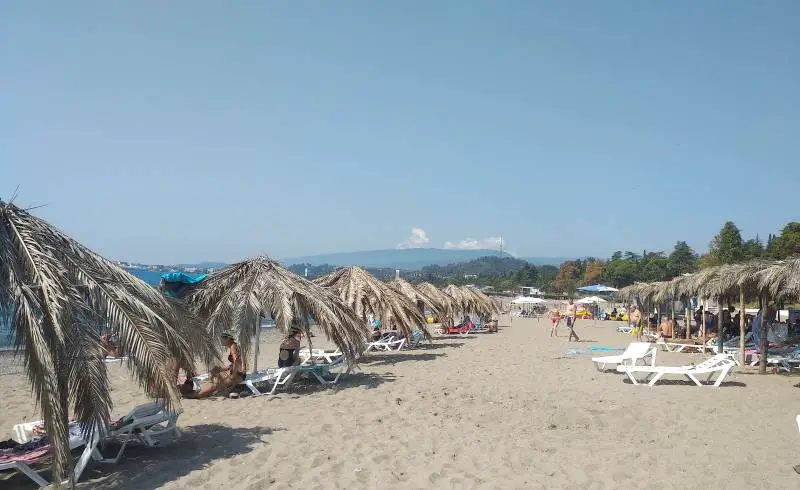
(146, 423)
(385, 345)
(721, 364)
(635, 352)
(320, 355)
(678, 347)
(276, 377)
(76, 440)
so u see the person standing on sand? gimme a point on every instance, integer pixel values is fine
(636, 322)
(572, 311)
(555, 318)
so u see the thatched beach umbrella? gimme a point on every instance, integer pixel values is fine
(468, 300)
(60, 295)
(366, 295)
(237, 296)
(419, 297)
(487, 307)
(446, 302)
(781, 279)
(732, 282)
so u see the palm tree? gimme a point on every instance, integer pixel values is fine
(61, 294)
(237, 296)
(366, 295)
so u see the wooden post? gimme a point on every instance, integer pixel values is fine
(741, 326)
(688, 332)
(762, 350)
(672, 309)
(720, 340)
(703, 306)
(258, 337)
(310, 347)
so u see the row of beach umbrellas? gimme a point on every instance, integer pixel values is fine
(60, 294)
(764, 281)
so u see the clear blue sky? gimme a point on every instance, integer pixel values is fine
(202, 130)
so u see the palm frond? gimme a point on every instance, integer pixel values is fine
(235, 297)
(62, 295)
(366, 295)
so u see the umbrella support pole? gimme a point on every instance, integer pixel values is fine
(258, 343)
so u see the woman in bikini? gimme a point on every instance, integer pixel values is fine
(224, 379)
(290, 348)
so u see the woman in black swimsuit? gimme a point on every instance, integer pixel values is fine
(289, 354)
(225, 379)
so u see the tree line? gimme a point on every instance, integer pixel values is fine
(620, 270)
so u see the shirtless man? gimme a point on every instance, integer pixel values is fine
(571, 317)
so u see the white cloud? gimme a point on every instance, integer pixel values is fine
(489, 242)
(417, 239)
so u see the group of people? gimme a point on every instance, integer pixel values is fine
(570, 314)
(223, 379)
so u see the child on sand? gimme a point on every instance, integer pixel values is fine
(555, 318)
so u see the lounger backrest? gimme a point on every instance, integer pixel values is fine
(636, 350)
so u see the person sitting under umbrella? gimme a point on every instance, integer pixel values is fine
(288, 355)
(224, 379)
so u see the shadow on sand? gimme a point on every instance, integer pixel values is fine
(439, 345)
(686, 382)
(198, 447)
(394, 358)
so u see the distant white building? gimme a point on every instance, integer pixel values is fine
(531, 291)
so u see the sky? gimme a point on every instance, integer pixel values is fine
(183, 131)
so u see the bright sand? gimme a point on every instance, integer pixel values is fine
(505, 410)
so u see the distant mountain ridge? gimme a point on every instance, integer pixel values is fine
(409, 258)
(412, 259)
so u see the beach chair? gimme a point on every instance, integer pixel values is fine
(147, 424)
(417, 337)
(385, 345)
(319, 355)
(720, 364)
(150, 424)
(276, 377)
(321, 372)
(635, 352)
(679, 347)
(24, 461)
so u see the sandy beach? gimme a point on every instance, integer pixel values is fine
(506, 410)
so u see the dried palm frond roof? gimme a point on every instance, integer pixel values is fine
(488, 306)
(781, 279)
(237, 296)
(727, 281)
(644, 291)
(365, 294)
(466, 300)
(672, 289)
(61, 295)
(447, 302)
(418, 296)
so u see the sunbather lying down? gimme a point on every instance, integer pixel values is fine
(223, 379)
